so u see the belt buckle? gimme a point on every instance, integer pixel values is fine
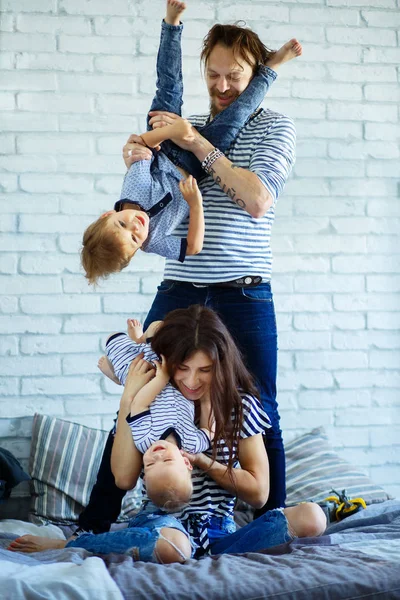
(249, 281)
(199, 285)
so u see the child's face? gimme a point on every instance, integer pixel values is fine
(165, 466)
(131, 226)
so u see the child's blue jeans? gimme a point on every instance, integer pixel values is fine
(225, 126)
(140, 537)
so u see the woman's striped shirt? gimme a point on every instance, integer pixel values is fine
(235, 243)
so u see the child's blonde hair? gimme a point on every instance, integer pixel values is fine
(103, 252)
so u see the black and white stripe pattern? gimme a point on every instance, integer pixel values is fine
(235, 243)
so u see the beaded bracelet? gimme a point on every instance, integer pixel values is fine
(210, 159)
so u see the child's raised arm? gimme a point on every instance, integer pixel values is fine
(141, 402)
(192, 195)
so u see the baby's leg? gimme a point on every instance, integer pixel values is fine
(169, 84)
(287, 52)
(106, 367)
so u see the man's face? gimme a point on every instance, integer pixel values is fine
(227, 77)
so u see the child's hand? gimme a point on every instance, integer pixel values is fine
(140, 372)
(161, 371)
(182, 131)
(190, 191)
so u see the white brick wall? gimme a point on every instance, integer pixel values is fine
(76, 78)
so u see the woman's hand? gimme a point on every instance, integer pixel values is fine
(135, 149)
(140, 372)
(199, 460)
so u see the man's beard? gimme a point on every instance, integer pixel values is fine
(214, 109)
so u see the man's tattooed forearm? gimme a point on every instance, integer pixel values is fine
(231, 192)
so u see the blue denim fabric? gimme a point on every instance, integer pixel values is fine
(250, 317)
(138, 539)
(225, 126)
(271, 529)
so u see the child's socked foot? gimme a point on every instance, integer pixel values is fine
(107, 369)
(287, 52)
(135, 330)
(174, 12)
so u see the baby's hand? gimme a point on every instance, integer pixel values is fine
(140, 372)
(162, 374)
(190, 191)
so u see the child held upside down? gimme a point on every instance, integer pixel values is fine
(157, 411)
(154, 198)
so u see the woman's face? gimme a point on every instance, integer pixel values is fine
(193, 377)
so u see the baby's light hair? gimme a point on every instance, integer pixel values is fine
(102, 251)
(172, 498)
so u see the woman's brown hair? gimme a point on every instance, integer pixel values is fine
(243, 41)
(197, 328)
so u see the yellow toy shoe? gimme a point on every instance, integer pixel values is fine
(344, 506)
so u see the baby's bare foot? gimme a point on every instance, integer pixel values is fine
(106, 367)
(174, 11)
(135, 330)
(35, 543)
(290, 50)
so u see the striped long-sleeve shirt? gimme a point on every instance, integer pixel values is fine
(237, 244)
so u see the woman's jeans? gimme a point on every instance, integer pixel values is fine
(139, 539)
(225, 126)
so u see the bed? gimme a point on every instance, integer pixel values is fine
(358, 557)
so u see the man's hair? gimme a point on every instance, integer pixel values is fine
(102, 252)
(243, 41)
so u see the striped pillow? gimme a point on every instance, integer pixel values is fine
(64, 460)
(313, 468)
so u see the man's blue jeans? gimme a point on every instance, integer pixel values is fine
(249, 315)
(225, 126)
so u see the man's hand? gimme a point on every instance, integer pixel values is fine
(134, 150)
(190, 191)
(140, 372)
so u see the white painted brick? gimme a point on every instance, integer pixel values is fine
(277, 34)
(20, 42)
(366, 302)
(360, 36)
(283, 284)
(43, 6)
(304, 302)
(19, 448)
(327, 168)
(96, 407)
(324, 15)
(327, 244)
(28, 122)
(8, 223)
(314, 380)
(59, 386)
(122, 303)
(360, 417)
(366, 264)
(94, 205)
(70, 243)
(123, 104)
(26, 365)
(59, 344)
(7, 101)
(382, 131)
(381, 55)
(382, 320)
(382, 93)
(9, 386)
(97, 123)
(384, 475)
(334, 399)
(54, 62)
(108, 185)
(7, 60)
(308, 149)
(383, 169)
(18, 243)
(20, 284)
(96, 164)
(255, 12)
(117, 64)
(98, 323)
(377, 18)
(331, 361)
(100, 7)
(372, 3)
(315, 418)
(333, 207)
(363, 150)
(53, 24)
(328, 321)
(297, 108)
(117, 26)
(357, 225)
(53, 144)
(384, 359)
(329, 283)
(363, 73)
(8, 305)
(22, 203)
(300, 225)
(382, 283)
(37, 164)
(82, 365)
(53, 223)
(329, 129)
(19, 80)
(8, 345)
(92, 83)
(22, 324)
(304, 341)
(8, 183)
(368, 378)
(110, 144)
(301, 264)
(61, 183)
(9, 264)
(55, 103)
(16, 427)
(363, 112)
(36, 404)
(359, 187)
(7, 23)
(7, 143)
(96, 44)
(87, 421)
(327, 91)
(49, 264)
(329, 53)
(60, 304)
(383, 245)
(384, 436)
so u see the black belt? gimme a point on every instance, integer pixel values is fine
(247, 281)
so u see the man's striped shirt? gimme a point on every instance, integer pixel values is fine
(235, 243)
